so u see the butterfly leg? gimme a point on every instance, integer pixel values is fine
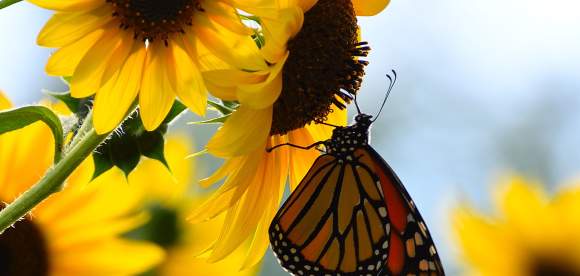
(296, 146)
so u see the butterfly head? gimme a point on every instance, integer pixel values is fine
(363, 120)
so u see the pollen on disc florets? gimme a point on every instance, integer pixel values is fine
(323, 64)
(153, 20)
(23, 250)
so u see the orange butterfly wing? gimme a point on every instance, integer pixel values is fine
(352, 217)
(411, 249)
(334, 222)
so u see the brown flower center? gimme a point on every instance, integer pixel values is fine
(23, 250)
(551, 267)
(323, 65)
(155, 19)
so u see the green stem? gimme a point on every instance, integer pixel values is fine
(85, 127)
(6, 3)
(54, 178)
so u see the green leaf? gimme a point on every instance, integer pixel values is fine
(152, 145)
(73, 104)
(259, 39)
(124, 150)
(125, 153)
(66, 80)
(231, 104)
(197, 154)
(102, 162)
(176, 109)
(251, 18)
(221, 108)
(6, 3)
(218, 120)
(18, 118)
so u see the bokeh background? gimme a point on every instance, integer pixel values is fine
(485, 87)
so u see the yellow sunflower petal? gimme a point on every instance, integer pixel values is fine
(64, 61)
(320, 132)
(228, 166)
(16, 148)
(88, 74)
(566, 205)
(259, 198)
(242, 218)
(478, 238)
(305, 5)
(226, 16)
(113, 100)
(224, 93)
(278, 165)
(157, 95)
(260, 242)
(102, 258)
(268, 8)
(245, 131)
(300, 160)
(238, 50)
(190, 87)
(238, 171)
(231, 78)
(263, 95)
(523, 205)
(279, 30)
(65, 28)
(206, 59)
(4, 101)
(369, 7)
(68, 238)
(223, 83)
(67, 5)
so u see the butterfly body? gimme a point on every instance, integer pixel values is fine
(350, 215)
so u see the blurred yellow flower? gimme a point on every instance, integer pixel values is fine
(533, 234)
(313, 48)
(74, 232)
(167, 198)
(121, 49)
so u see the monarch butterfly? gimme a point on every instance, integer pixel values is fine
(351, 215)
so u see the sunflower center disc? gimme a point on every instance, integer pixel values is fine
(153, 19)
(163, 228)
(547, 267)
(322, 65)
(23, 250)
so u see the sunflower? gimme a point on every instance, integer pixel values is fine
(313, 48)
(121, 49)
(165, 196)
(74, 232)
(533, 234)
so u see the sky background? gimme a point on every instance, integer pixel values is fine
(485, 87)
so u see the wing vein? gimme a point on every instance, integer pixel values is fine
(311, 200)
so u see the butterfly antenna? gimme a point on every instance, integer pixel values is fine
(392, 80)
(356, 104)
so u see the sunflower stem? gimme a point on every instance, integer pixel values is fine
(54, 178)
(86, 126)
(6, 3)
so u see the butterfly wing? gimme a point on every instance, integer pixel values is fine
(411, 249)
(334, 222)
